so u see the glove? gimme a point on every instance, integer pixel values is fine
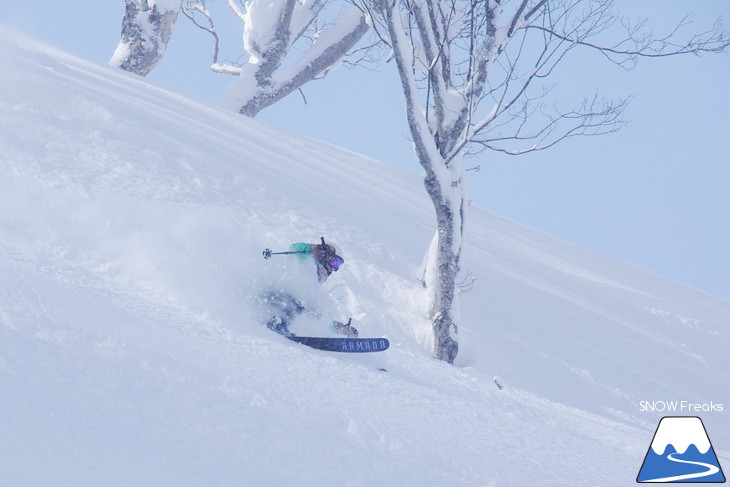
(343, 329)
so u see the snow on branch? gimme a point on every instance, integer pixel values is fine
(146, 29)
(286, 43)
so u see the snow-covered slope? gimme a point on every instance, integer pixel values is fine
(132, 349)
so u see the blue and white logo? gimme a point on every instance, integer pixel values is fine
(681, 452)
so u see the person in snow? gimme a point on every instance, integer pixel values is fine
(324, 256)
(327, 262)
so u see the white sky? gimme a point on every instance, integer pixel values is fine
(655, 194)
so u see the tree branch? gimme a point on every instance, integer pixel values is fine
(711, 41)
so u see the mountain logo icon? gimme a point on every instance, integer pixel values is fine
(681, 452)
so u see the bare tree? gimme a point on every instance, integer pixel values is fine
(286, 43)
(146, 29)
(473, 76)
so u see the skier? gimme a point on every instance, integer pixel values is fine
(324, 256)
(327, 262)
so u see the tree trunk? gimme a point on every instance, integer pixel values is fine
(443, 183)
(449, 207)
(145, 34)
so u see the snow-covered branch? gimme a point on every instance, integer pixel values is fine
(273, 70)
(286, 43)
(146, 29)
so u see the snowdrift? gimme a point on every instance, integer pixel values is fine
(133, 351)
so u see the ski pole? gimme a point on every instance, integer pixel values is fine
(268, 253)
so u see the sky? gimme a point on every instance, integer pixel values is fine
(654, 194)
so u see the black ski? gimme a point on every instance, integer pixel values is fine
(343, 344)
